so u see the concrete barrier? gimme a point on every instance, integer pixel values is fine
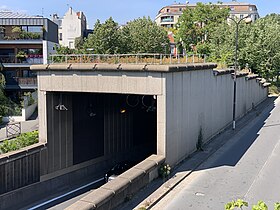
(115, 192)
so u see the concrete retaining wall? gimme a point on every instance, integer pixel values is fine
(19, 168)
(113, 193)
(201, 102)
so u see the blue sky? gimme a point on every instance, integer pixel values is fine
(122, 11)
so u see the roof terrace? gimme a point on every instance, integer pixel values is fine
(155, 59)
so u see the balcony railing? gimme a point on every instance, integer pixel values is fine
(21, 81)
(129, 58)
(164, 20)
(29, 59)
(21, 36)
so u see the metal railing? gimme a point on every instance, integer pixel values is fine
(13, 129)
(129, 58)
(29, 59)
(21, 81)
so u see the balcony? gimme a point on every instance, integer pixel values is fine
(23, 35)
(164, 20)
(28, 59)
(21, 83)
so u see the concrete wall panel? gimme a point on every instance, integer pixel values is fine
(148, 83)
(199, 101)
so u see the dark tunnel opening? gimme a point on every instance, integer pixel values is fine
(113, 123)
(108, 128)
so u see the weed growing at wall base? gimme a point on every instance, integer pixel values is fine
(164, 170)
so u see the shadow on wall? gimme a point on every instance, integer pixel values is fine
(233, 154)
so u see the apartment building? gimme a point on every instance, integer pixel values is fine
(71, 26)
(168, 16)
(24, 40)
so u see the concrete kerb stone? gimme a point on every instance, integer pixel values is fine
(132, 174)
(146, 165)
(100, 198)
(159, 159)
(116, 185)
(120, 188)
(81, 205)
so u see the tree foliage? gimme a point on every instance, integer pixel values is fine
(62, 50)
(261, 46)
(206, 28)
(105, 38)
(79, 41)
(7, 106)
(196, 25)
(142, 35)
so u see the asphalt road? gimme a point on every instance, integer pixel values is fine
(62, 200)
(245, 167)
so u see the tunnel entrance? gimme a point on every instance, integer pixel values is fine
(105, 127)
(111, 124)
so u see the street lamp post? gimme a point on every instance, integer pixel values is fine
(247, 20)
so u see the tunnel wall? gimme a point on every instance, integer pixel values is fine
(198, 103)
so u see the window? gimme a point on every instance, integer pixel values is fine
(35, 29)
(167, 10)
(241, 16)
(24, 28)
(167, 19)
(60, 36)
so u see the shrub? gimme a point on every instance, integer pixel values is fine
(274, 90)
(23, 140)
(164, 170)
(239, 203)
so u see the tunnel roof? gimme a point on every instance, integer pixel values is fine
(123, 67)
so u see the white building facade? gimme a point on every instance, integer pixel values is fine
(168, 16)
(71, 26)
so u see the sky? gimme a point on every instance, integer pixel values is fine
(122, 11)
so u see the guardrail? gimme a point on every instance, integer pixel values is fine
(129, 58)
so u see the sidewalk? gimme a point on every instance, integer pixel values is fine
(157, 190)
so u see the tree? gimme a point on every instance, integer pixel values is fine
(196, 25)
(62, 50)
(105, 38)
(261, 47)
(142, 35)
(79, 41)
